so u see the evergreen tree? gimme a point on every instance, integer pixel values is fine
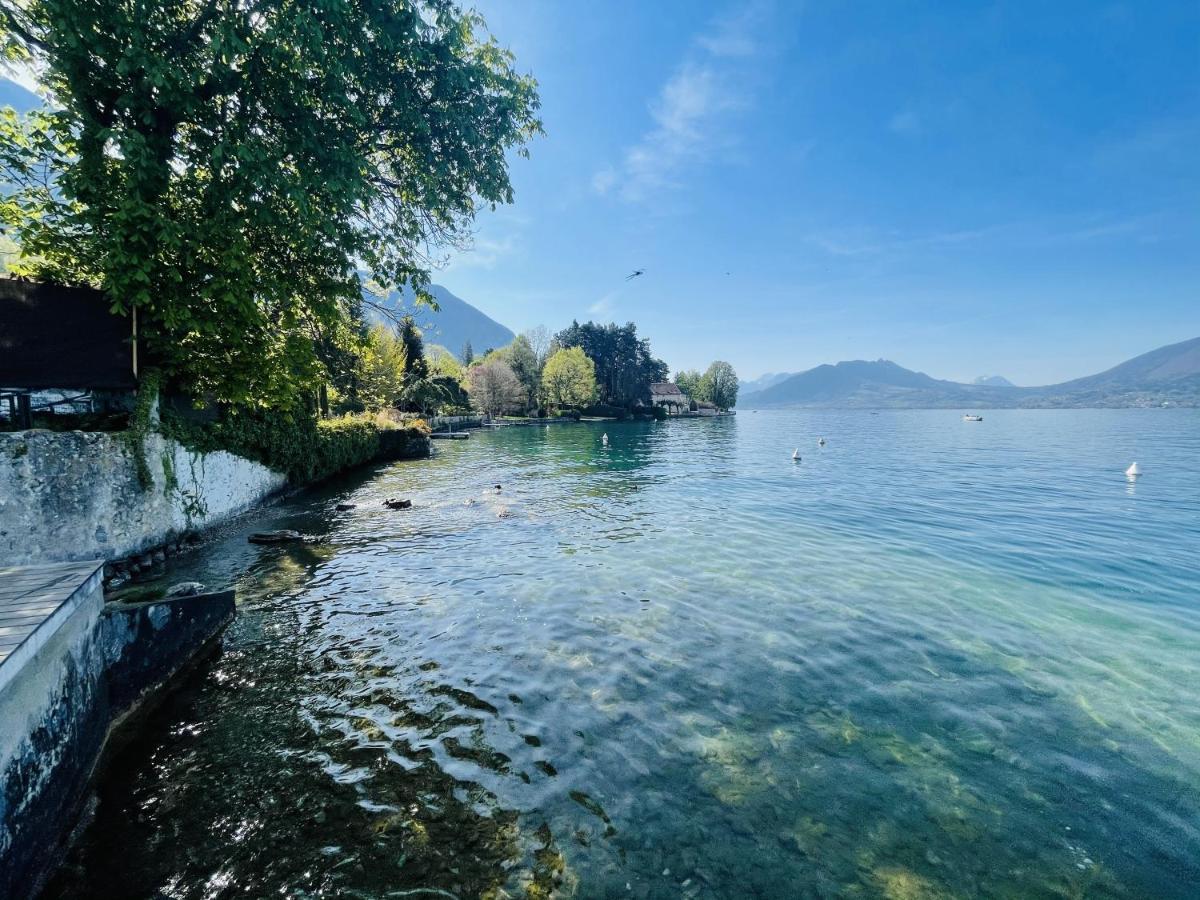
(415, 365)
(625, 368)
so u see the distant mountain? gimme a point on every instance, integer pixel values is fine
(993, 381)
(1167, 376)
(1164, 365)
(455, 322)
(861, 383)
(763, 382)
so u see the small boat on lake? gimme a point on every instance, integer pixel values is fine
(971, 418)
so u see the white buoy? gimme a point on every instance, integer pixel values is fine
(796, 455)
(1134, 471)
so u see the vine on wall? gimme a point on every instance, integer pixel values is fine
(140, 426)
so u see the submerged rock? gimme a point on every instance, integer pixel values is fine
(397, 504)
(184, 589)
(282, 536)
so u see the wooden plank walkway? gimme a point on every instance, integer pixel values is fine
(31, 595)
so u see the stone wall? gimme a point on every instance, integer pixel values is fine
(77, 495)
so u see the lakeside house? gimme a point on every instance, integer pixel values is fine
(667, 395)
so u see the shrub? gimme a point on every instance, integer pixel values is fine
(605, 410)
(305, 448)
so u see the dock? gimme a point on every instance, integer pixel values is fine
(450, 435)
(35, 601)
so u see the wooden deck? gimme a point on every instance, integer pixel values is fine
(35, 599)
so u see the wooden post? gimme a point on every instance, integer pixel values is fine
(24, 411)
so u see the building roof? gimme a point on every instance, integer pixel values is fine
(664, 389)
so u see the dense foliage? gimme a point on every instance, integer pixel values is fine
(624, 366)
(381, 370)
(225, 167)
(569, 379)
(304, 447)
(718, 385)
(494, 386)
(688, 381)
(525, 366)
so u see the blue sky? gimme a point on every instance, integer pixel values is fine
(964, 188)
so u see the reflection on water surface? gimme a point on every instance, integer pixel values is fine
(929, 661)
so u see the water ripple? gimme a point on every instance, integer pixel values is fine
(931, 659)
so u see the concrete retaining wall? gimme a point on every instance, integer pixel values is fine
(58, 711)
(54, 714)
(76, 495)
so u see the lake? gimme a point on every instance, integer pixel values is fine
(931, 659)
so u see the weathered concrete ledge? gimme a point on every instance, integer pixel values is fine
(77, 495)
(65, 690)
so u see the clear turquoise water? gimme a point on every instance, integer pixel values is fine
(931, 659)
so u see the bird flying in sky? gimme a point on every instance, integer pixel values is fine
(635, 274)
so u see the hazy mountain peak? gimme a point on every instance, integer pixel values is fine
(454, 324)
(993, 381)
(769, 379)
(1167, 376)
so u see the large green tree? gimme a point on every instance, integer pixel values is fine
(224, 167)
(381, 365)
(719, 385)
(625, 367)
(524, 363)
(689, 381)
(569, 378)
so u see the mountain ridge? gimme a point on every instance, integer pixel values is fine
(454, 324)
(1169, 375)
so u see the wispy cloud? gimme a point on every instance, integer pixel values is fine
(906, 123)
(605, 305)
(688, 112)
(484, 253)
(872, 242)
